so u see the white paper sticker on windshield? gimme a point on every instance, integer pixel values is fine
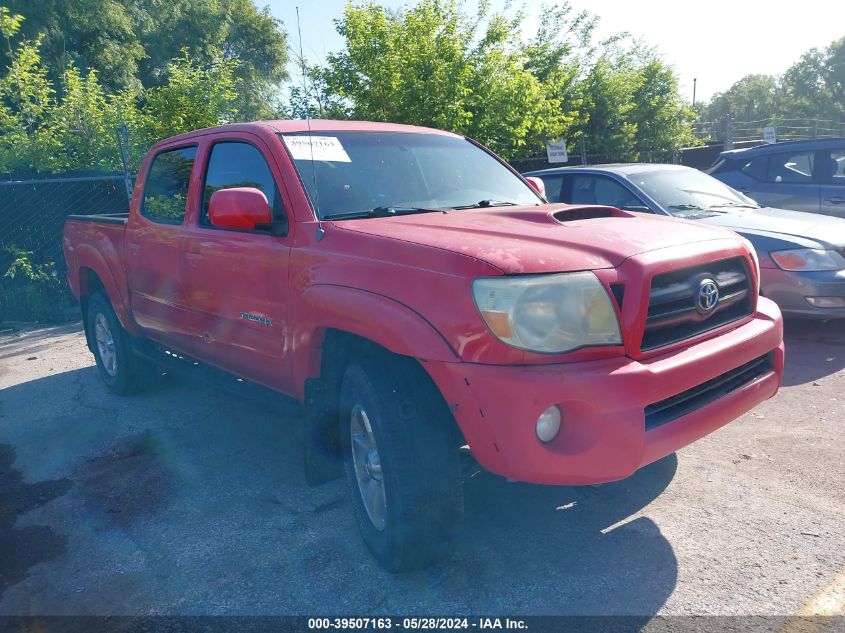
(323, 147)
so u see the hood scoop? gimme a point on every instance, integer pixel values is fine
(573, 214)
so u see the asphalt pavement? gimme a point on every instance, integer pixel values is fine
(183, 500)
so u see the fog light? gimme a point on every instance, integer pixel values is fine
(548, 424)
(826, 302)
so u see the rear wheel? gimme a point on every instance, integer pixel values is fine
(123, 371)
(401, 460)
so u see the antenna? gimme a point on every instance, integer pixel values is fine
(320, 231)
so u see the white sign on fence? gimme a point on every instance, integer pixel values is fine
(556, 151)
(770, 135)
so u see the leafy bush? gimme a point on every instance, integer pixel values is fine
(31, 290)
(70, 123)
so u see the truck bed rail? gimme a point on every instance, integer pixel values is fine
(105, 218)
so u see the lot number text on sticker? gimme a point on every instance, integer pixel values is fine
(323, 147)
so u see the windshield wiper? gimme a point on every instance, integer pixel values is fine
(483, 204)
(686, 207)
(380, 212)
(701, 211)
(712, 194)
(733, 205)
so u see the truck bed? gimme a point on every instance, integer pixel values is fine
(95, 242)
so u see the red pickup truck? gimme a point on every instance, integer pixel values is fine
(423, 300)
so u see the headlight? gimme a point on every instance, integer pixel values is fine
(755, 258)
(808, 259)
(550, 314)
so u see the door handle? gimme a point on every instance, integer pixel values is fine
(835, 200)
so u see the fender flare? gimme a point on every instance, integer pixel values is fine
(89, 257)
(389, 323)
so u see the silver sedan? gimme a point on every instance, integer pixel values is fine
(802, 255)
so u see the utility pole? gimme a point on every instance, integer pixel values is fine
(694, 81)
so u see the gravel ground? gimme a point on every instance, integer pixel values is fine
(186, 501)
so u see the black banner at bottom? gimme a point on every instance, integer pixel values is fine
(385, 624)
(525, 624)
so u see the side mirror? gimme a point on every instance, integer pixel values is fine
(239, 208)
(537, 184)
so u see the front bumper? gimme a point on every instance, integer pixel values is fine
(791, 289)
(603, 435)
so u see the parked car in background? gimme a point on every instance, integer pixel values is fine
(802, 255)
(799, 175)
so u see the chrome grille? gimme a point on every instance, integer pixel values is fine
(675, 312)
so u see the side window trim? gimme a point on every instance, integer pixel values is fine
(566, 187)
(829, 176)
(202, 211)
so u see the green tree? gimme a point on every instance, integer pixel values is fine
(610, 130)
(559, 55)
(752, 98)
(26, 98)
(663, 121)
(97, 34)
(814, 87)
(834, 74)
(130, 43)
(433, 64)
(75, 126)
(410, 65)
(234, 31)
(194, 96)
(314, 98)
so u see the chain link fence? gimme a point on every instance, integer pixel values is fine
(33, 208)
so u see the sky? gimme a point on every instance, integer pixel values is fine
(716, 42)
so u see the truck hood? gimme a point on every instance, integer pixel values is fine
(780, 223)
(539, 239)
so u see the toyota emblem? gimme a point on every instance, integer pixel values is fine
(707, 296)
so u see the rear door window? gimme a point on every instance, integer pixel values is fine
(795, 167)
(166, 186)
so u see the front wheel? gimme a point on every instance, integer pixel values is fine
(401, 460)
(123, 371)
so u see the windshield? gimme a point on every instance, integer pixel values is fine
(689, 193)
(357, 173)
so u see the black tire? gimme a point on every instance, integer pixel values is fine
(129, 373)
(419, 462)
